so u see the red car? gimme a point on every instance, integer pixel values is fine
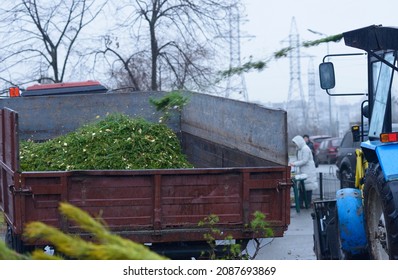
(317, 139)
(327, 150)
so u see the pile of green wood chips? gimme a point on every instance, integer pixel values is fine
(116, 142)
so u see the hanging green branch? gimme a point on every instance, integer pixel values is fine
(333, 39)
(262, 64)
(282, 53)
(248, 66)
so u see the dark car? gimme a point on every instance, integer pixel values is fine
(327, 150)
(346, 160)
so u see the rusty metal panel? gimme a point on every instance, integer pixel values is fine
(41, 195)
(9, 139)
(248, 127)
(207, 154)
(124, 202)
(189, 198)
(9, 164)
(68, 112)
(161, 205)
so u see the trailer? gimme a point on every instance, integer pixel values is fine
(238, 170)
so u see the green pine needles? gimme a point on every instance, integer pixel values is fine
(116, 142)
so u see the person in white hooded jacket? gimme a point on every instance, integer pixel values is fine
(305, 165)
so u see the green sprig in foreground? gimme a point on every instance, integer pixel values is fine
(105, 245)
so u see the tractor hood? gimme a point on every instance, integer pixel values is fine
(372, 38)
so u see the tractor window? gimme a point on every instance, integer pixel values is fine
(382, 75)
(394, 102)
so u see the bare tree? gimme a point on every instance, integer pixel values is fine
(178, 36)
(129, 71)
(39, 37)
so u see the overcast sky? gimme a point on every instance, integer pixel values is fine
(269, 22)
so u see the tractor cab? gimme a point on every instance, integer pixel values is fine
(381, 46)
(367, 224)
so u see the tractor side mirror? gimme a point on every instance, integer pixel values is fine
(326, 75)
(365, 111)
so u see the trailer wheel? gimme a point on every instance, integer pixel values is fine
(14, 242)
(381, 212)
(8, 237)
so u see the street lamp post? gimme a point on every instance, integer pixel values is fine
(331, 130)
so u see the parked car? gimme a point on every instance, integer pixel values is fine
(346, 158)
(316, 140)
(327, 150)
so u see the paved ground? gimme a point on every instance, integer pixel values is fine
(296, 244)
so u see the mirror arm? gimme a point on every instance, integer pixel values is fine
(341, 54)
(343, 94)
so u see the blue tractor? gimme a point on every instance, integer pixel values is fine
(362, 222)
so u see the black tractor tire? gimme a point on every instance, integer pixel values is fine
(381, 214)
(346, 179)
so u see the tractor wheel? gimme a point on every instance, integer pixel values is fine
(381, 212)
(346, 180)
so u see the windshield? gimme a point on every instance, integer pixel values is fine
(382, 74)
(394, 102)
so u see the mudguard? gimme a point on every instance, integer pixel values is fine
(351, 222)
(387, 155)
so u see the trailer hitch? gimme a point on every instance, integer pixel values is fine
(24, 191)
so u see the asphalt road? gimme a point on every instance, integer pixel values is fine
(296, 244)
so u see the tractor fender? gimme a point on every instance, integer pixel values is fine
(351, 222)
(385, 154)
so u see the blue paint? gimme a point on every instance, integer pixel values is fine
(351, 221)
(388, 157)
